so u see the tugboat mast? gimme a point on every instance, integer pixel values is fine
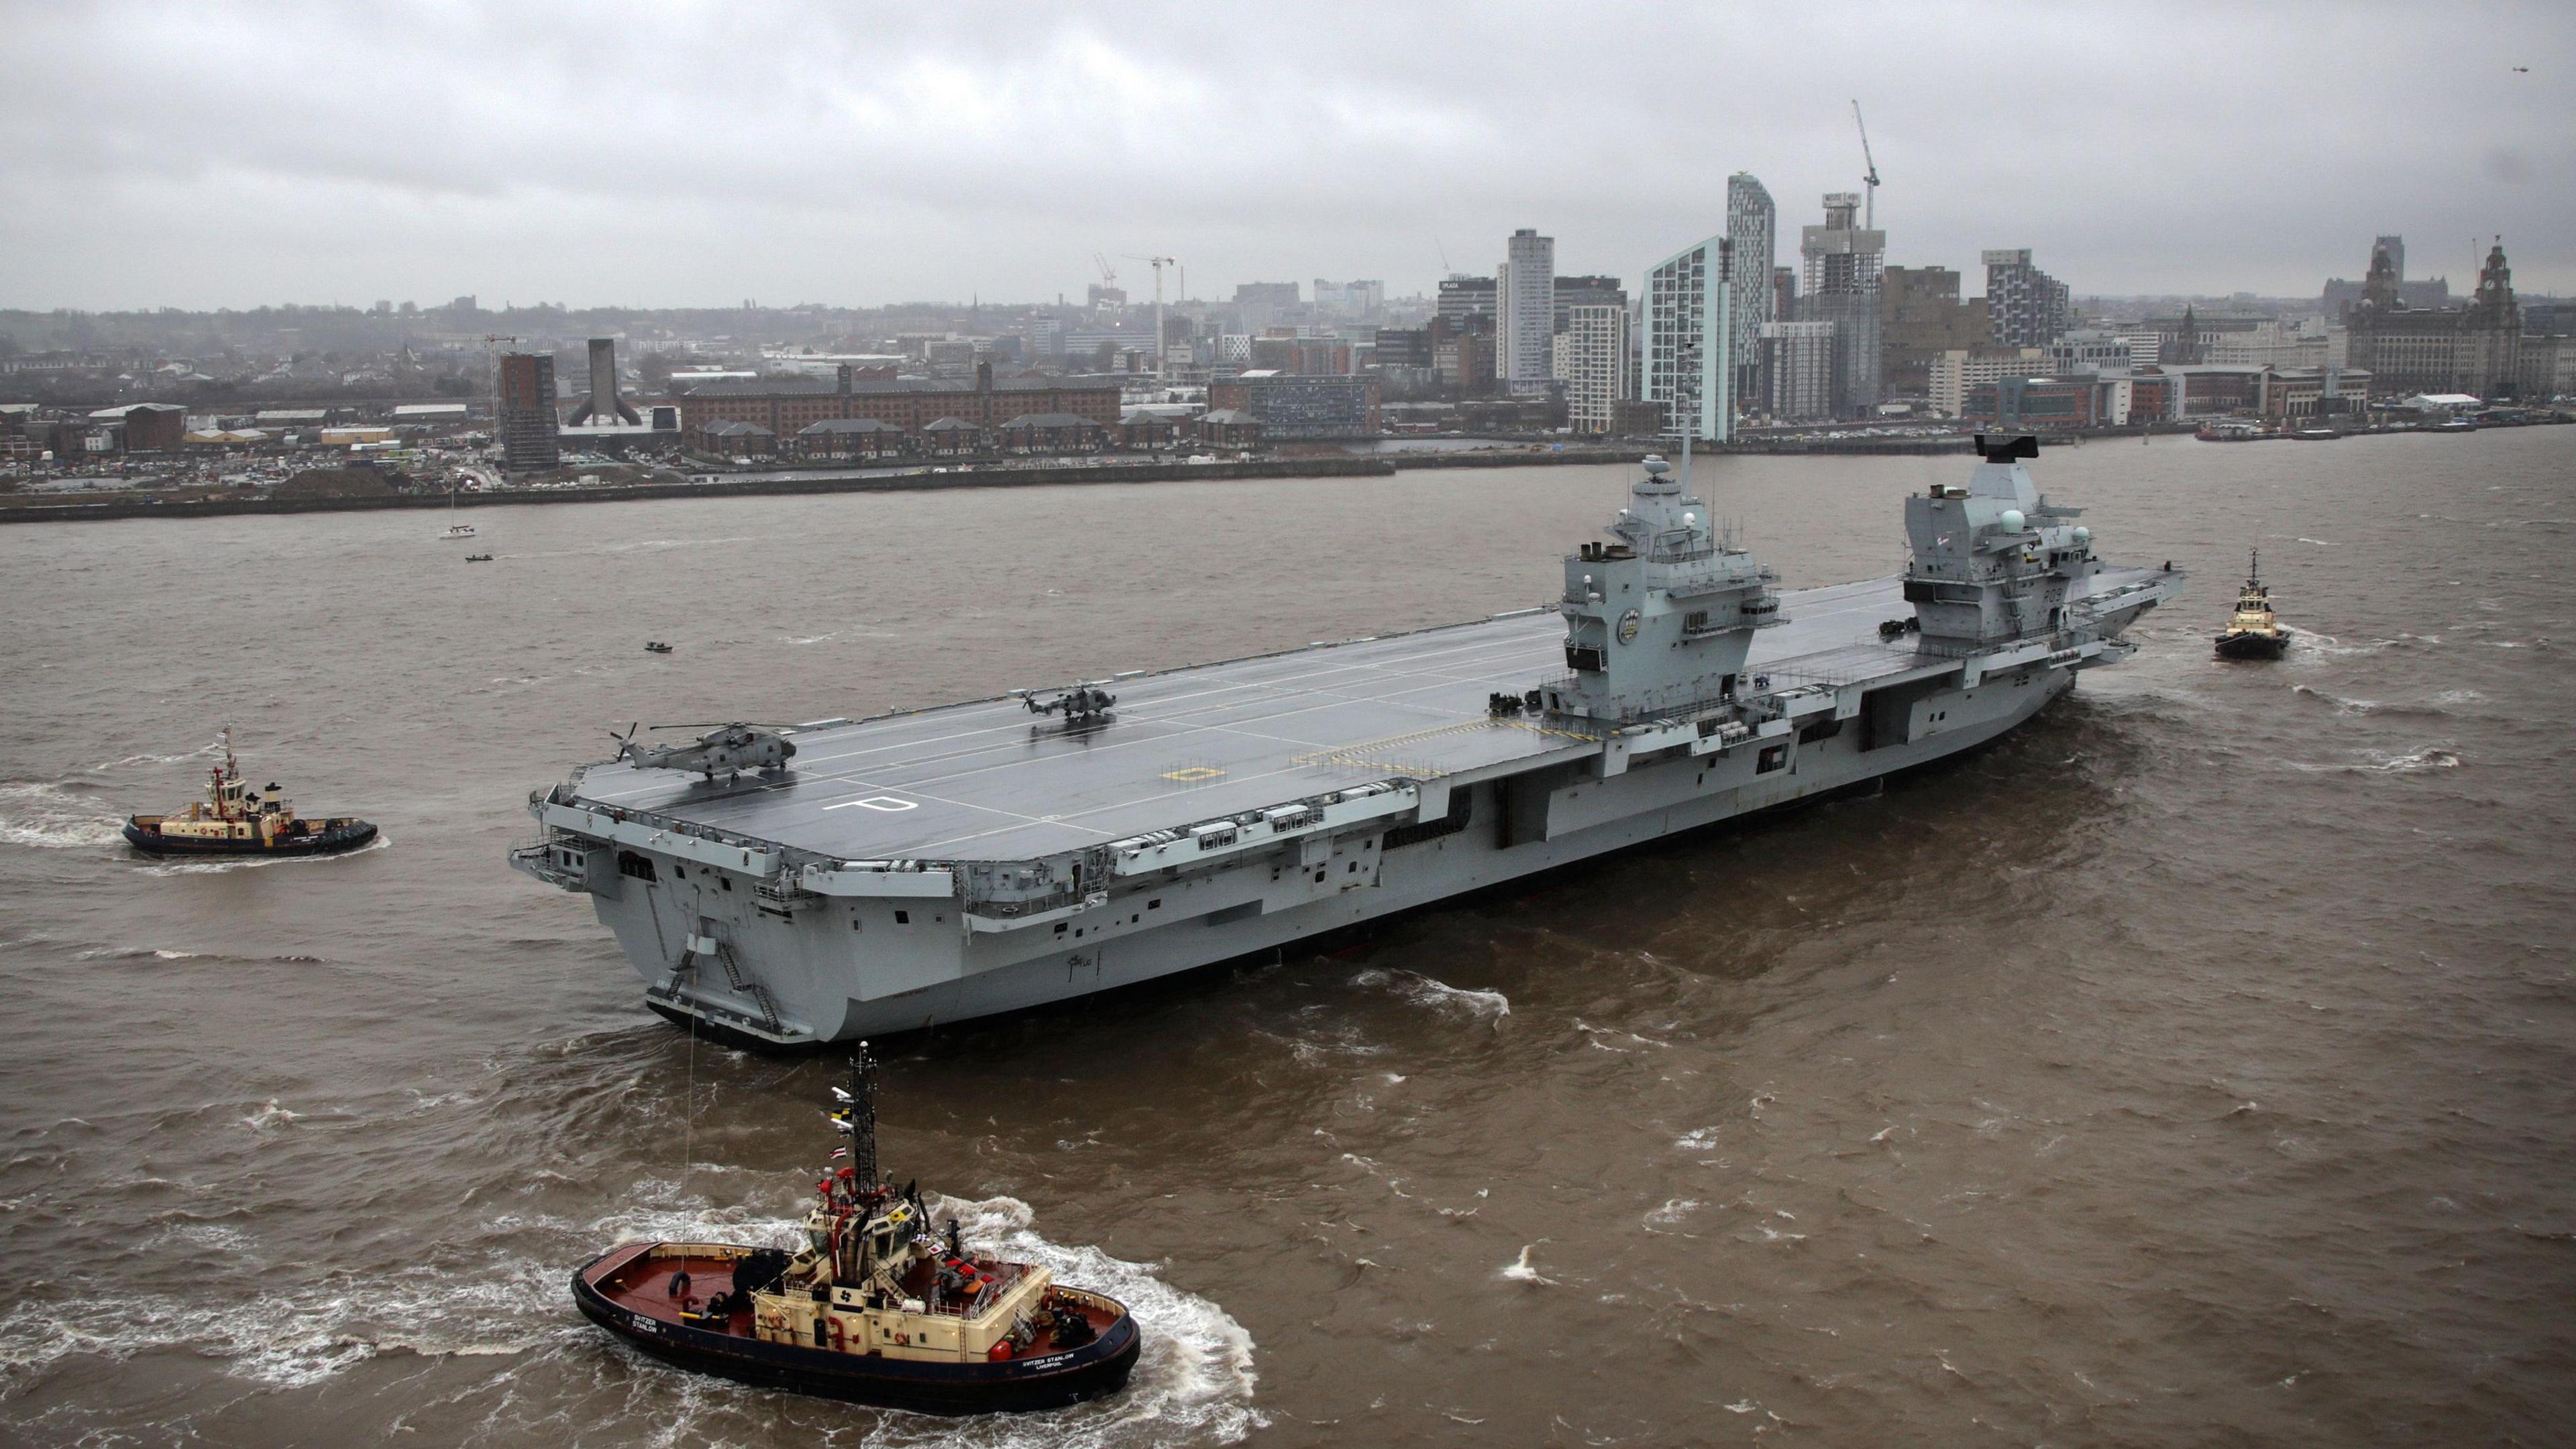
(858, 1117)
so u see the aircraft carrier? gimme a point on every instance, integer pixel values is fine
(839, 879)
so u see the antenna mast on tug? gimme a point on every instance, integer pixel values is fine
(857, 1118)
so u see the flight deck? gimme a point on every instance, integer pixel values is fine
(990, 781)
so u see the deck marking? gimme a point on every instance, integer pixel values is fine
(887, 803)
(1193, 774)
(1391, 676)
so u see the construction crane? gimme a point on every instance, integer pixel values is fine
(1161, 373)
(1869, 222)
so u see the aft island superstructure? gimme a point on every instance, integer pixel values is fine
(956, 862)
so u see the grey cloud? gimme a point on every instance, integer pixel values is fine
(597, 153)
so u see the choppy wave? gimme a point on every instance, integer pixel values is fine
(1670, 1214)
(2428, 757)
(2312, 642)
(1519, 1270)
(48, 817)
(270, 1114)
(302, 1336)
(510, 1303)
(2416, 761)
(642, 545)
(1423, 991)
(2343, 705)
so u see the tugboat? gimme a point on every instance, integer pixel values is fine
(2253, 632)
(874, 1308)
(234, 819)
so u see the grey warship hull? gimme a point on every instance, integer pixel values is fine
(958, 862)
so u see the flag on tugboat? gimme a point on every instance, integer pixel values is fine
(840, 1152)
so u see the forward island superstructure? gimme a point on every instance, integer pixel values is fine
(955, 862)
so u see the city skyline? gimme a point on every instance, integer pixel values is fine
(601, 157)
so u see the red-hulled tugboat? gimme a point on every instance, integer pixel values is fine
(875, 1308)
(234, 819)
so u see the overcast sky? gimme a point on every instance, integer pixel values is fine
(201, 156)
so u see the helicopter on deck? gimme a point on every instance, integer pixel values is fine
(727, 749)
(1083, 701)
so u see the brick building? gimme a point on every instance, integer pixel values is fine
(1921, 317)
(154, 427)
(1321, 356)
(788, 406)
(1292, 407)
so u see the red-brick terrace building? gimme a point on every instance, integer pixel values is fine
(787, 407)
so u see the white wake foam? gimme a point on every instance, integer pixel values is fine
(1439, 995)
(211, 747)
(1670, 1214)
(302, 1336)
(2383, 762)
(1519, 1270)
(48, 817)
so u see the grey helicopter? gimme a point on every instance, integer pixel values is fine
(727, 749)
(1088, 700)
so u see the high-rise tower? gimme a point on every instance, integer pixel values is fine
(1687, 348)
(1753, 226)
(523, 412)
(1526, 305)
(2025, 306)
(1843, 260)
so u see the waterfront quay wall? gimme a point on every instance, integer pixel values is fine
(35, 510)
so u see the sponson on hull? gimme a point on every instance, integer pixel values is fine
(950, 863)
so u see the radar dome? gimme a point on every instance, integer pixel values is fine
(2083, 535)
(1657, 466)
(2012, 520)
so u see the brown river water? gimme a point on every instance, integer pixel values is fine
(2196, 1066)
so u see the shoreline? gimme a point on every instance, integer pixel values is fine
(755, 486)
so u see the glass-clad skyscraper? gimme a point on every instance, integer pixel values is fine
(1687, 344)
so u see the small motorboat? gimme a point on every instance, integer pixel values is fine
(656, 646)
(478, 558)
(873, 1307)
